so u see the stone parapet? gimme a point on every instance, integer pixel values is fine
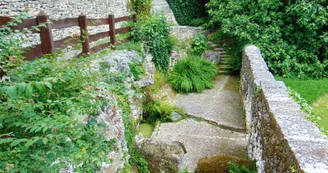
(281, 139)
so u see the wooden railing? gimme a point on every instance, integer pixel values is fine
(48, 45)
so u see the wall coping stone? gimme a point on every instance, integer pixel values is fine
(308, 144)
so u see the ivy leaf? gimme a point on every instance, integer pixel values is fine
(28, 91)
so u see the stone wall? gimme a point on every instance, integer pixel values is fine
(59, 9)
(185, 32)
(280, 137)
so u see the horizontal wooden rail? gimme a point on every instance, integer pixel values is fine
(97, 22)
(123, 30)
(122, 19)
(98, 36)
(65, 23)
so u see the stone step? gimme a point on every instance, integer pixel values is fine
(225, 72)
(225, 67)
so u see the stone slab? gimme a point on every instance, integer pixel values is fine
(202, 139)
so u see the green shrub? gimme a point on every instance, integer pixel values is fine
(189, 12)
(142, 8)
(292, 35)
(192, 74)
(159, 110)
(156, 34)
(41, 105)
(199, 44)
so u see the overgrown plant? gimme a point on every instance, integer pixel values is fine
(155, 33)
(142, 8)
(11, 41)
(199, 44)
(192, 74)
(292, 35)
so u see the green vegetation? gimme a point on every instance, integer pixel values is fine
(199, 44)
(142, 8)
(159, 81)
(155, 32)
(189, 12)
(311, 95)
(311, 90)
(292, 35)
(42, 103)
(192, 74)
(161, 110)
(235, 168)
(136, 69)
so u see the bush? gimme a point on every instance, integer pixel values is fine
(142, 8)
(292, 35)
(192, 74)
(189, 12)
(199, 44)
(156, 34)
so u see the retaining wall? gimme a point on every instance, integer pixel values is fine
(281, 139)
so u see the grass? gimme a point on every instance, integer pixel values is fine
(311, 90)
(315, 92)
(192, 74)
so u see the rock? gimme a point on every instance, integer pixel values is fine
(220, 163)
(212, 56)
(175, 56)
(176, 116)
(148, 78)
(162, 155)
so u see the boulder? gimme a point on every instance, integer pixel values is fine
(220, 163)
(212, 56)
(162, 156)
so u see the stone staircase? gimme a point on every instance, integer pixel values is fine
(224, 61)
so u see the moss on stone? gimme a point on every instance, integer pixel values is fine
(220, 164)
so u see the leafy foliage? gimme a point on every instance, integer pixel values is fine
(235, 168)
(11, 43)
(189, 12)
(155, 32)
(292, 34)
(136, 69)
(199, 44)
(192, 74)
(41, 130)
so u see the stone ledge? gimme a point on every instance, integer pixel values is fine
(281, 138)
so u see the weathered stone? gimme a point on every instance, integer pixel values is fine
(148, 78)
(185, 32)
(162, 155)
(212, 56)
(176, 116)
(280, 138)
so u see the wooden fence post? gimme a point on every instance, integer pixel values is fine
(112, 34)
(84, 34)
(47, 42)
(134, 17)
